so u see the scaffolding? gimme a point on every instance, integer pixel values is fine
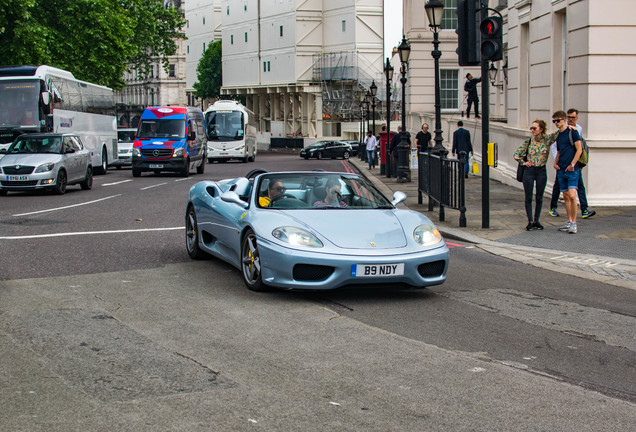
(344, 80)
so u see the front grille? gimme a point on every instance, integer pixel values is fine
(161, 153)
(309, 272)
(19, 183)
(21, 170)
(432, 269)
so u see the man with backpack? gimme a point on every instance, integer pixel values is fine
(572, 117)
(569, 149)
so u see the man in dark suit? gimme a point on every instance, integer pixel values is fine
(470, 87)
(461, 143)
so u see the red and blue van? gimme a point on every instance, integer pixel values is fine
(170, 138)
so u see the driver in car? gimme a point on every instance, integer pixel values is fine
(276, 188)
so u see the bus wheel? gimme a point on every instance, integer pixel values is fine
(201, 167)
(104, 166)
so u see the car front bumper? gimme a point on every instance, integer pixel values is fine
(173, 164)
(308, 270)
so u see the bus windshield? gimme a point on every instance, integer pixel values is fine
(224, 125)
(162, 129)
(19, 103)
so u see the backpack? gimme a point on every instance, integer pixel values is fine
(585, 153)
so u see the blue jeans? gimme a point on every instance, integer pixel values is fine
(371, 157)
(568, 179)
(556, 192)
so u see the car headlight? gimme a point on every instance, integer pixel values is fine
(296, 237)
(427, 235)
(178, 152)
(136, 152)
(45, 167)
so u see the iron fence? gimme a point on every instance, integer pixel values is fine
(443, 181)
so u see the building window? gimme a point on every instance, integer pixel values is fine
(268, 69)
(203, 20)
(245, 36)
(449, 19)
(228, 10)
(281, 31)
(188, 49)
(245, 5)
(449, 88)
(231, 39)
(344, 26)
(171, 72)
(203, 46)
(266, 66)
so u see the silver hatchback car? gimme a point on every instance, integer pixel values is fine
(45, 161)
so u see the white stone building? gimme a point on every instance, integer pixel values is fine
(203, 27)
(559, 54)
(275, 54)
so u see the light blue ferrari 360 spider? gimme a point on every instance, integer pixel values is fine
(313, 230)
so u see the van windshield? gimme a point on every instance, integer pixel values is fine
(162, 129)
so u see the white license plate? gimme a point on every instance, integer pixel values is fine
(377, 270)
(17, 178)
(155, 166)
(223, 154)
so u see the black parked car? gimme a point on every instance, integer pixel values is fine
(327, 149)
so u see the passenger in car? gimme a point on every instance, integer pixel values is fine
(332, 195)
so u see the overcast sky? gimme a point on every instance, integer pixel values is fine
(392, 25)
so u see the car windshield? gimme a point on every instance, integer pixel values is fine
(162, 128)
(318, 191)
(126, 136)
(36, 145)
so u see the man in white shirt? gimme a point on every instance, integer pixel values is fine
(372, 142)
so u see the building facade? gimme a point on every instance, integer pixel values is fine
(161, 86)
(273, 51)
(203, 26)
(558, 54)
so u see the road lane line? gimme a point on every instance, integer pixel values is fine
(152, 186)
(65, 207)
(69, 234)
(116, 183)
(184, 179)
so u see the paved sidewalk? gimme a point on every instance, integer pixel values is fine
(604, 249)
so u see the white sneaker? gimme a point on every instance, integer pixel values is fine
(565, 227)
(572, 229)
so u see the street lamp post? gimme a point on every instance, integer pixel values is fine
(404, 148)
(373, 90)
(388, 70)
(362, 133)
(365, 103)
(434, 11)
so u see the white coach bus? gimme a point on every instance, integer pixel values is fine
(231, 131)
(47, 99)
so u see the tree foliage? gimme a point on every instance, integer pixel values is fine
(209, 72)
(97, 40)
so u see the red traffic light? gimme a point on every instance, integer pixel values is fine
(489, 27)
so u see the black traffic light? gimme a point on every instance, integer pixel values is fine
(491, 38)
(467, 34)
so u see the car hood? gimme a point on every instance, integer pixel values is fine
(34, 159)
(354, 229)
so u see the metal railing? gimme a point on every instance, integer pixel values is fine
(442, 180)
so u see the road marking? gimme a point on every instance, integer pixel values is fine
(152, 186)
(184, 179)
(453, 245)
(116, 183)
(37, 236)
(65, 207)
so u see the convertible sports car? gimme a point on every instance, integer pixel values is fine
(313, 230)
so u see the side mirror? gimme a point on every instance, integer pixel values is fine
(398, 197)
(232, 197)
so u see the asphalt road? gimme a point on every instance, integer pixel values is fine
(105, 323)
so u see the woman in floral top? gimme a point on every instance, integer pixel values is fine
(533, 153)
